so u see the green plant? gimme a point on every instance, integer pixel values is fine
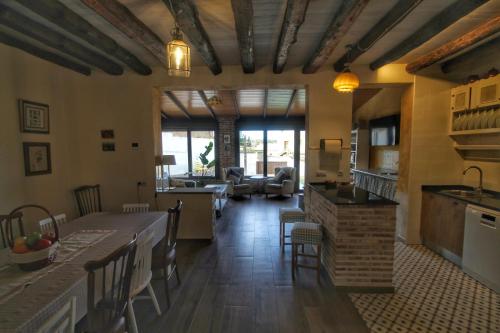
(206, 164)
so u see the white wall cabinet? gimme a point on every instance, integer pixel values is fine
(460, 98)
(486, 92)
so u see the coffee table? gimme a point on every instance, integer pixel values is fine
(220, 195)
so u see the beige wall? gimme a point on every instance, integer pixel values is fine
(386, 102)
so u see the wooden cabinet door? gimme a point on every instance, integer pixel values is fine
(429, 224)
(451, 234)
(486, 92)
(460, 98)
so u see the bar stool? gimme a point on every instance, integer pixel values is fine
(289, 215)
(306, 233)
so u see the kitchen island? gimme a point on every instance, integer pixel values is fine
(359, 235)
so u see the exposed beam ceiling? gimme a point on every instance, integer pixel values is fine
(207, 105)
(469, 62)
(56, 40)
(186, 15)
(294, 17)
(178, 104)
(264, 107)
(66, 19)
(243, 20)
(235, 103)
(46, 55)
(397, 13)
(122, 19)
(340, 24)
(435, 25)
(474, 36)
(292, 98)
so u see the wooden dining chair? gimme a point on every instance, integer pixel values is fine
(8, 234)
(47, 226)
(141, 279)
(108, 289)
(63, 321)
(164, 254)
(136, 208)
(88, 199)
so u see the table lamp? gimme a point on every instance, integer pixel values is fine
(160, 161)
(169, 160)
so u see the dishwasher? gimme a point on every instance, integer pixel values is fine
(481, 254)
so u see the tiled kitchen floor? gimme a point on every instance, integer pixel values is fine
(432, 295)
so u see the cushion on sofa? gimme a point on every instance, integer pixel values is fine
(235, 179)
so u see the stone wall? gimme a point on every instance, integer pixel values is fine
(226, 150)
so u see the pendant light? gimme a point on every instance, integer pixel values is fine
(178, 53)
(346, 81)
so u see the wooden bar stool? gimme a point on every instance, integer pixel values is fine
(306, 233)
(289, 215)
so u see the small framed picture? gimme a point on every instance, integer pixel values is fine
(37, 158)
(107, 134)
(34, 117)
(227, 138)
(108, 146)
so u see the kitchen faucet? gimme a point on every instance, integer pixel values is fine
(479, 189)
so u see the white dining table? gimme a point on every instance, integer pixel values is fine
(28, 309)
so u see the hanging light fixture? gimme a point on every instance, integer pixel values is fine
(178, 53)
(346, 81)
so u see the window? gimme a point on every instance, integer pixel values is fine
(302, 159)
(252, 152)
(203, 153)
(280, 150)
(194, 152)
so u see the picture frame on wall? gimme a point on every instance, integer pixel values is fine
(37, 160)
(34, 117)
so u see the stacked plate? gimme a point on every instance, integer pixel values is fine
(475, 120)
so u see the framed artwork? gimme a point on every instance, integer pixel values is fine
(108, 146)
(227, 138)
(107, 134)
(34, 117)
(37, 158)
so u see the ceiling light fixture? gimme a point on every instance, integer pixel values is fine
(214, 100)
(346, 81)
(178, 53)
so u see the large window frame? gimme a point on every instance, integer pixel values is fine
(189, 131)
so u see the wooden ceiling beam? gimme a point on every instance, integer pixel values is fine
(186, 15)
(292, 99)
(56, 40)
(60, 15)
(235, 101)
(122, 19)
(294, 17)
(474, 36)
(207, 105)
(470, 59)
(178, 103)
(164, 115)
(341, 23)
(434, 26)
(43, 54)
(264, 108)
(395, 15)
(243, 20)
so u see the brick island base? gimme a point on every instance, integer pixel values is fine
(358, 243)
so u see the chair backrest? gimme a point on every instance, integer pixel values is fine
(88, 199)
(291, 171)
(10, 233)
(142, 266)
(108, 283)
(170, 240)
(136, 208)
(226, 171)
(46, 224)
(63, 321)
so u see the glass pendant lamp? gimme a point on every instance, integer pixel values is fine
(178, 55)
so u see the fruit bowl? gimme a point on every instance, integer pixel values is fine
(29, 255)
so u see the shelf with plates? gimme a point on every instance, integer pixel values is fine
(487, 153)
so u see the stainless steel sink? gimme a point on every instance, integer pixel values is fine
(467, 193)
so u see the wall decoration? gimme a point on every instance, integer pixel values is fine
(34, 117)
(227, 138)
(37, 158)
(107, 134)
(108, 146)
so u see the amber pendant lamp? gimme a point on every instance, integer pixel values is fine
(178, 53)
(346, 81)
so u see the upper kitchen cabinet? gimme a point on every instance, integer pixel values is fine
(485, 92)
(460, 98)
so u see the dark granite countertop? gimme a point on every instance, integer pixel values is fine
(349, 195)
(492, 201)
(381, 173)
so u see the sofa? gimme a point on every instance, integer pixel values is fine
(283, 182)
(237, 185)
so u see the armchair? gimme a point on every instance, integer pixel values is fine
(283, 183)
(235, 186)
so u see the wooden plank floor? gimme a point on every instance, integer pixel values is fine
(241, 282)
